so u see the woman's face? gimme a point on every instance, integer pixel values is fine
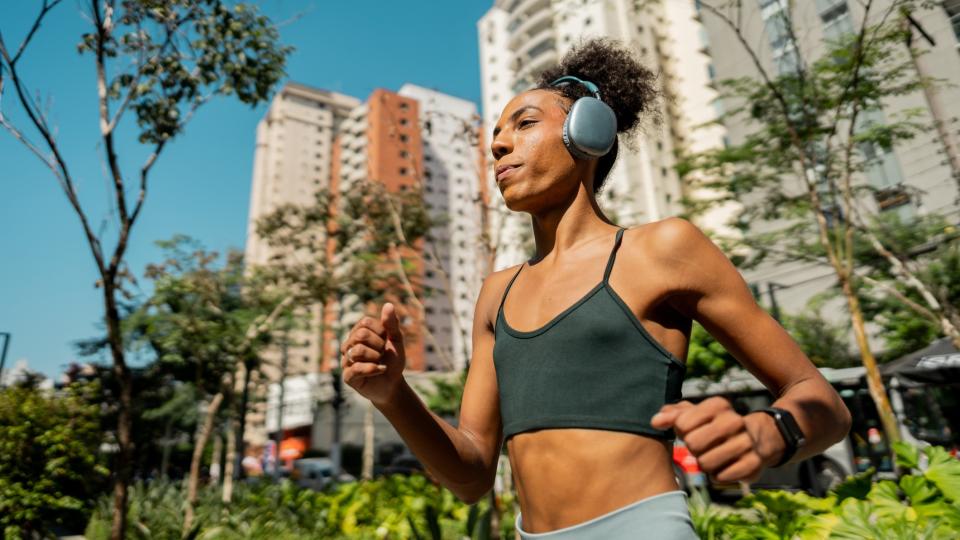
(533, 168)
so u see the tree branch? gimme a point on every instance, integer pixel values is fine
(57, 164)
(33, 29)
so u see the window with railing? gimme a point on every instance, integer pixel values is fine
(952, 7)
(835, 16)
(542, 47)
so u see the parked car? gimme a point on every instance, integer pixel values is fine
(405, 464)
(313, 473)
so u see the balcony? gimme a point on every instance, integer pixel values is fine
(530, 69)
(891, 197)
(538, 44)
(522, 9)
(529, 28)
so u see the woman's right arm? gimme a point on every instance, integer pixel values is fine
(463, 458)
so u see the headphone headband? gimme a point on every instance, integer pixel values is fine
(567, 79)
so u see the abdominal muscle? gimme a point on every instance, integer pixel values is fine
(567, 476)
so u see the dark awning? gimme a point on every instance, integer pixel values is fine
(937, 363)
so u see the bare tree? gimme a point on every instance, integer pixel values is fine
(161, 62)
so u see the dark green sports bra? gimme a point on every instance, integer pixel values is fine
(592, 366)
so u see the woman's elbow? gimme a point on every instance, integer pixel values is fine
(473, 493)
(472, 497)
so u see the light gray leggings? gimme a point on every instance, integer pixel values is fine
(660, 517)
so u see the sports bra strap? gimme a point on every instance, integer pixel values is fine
(613, 255)
(504, 297)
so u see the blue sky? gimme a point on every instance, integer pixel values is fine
(201, 184)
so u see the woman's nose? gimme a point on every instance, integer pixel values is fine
(500, 146)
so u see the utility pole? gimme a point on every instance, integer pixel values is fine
(771, 292)
(336, 453)
(3, 355)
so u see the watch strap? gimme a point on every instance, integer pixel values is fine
(792, 436)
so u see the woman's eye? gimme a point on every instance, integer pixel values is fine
(527, 122)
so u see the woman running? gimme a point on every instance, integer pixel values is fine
(576, 359)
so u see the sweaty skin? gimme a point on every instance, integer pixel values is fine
(669, 274)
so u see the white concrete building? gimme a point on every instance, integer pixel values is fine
(311, 139)
(521, 38)
(915, 177)
(451, 178)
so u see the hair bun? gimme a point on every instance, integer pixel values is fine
(625, 84)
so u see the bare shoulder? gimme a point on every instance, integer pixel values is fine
(669, 240)
(491, 292)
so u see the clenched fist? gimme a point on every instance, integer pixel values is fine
(372, 356)
(728, 446)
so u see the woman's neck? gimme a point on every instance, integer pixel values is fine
(570, 227)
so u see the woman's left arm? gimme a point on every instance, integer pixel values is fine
(711, 291)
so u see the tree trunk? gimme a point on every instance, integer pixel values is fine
(874, 381)
(216, 460)
(494, 515)
(124, 417)
(241, 425)
(227, 494)
(198, 448)
(368, 442)
(165, 458)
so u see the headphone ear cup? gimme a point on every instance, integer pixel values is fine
(590, 128)
(568, 139)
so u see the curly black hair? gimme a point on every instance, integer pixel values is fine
(628, 87)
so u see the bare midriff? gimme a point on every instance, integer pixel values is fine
(568, 476)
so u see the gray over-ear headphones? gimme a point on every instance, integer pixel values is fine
(591, 125)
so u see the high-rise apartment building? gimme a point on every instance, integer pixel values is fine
(452, 170)
(914, 177)
(519, 39)
(417, 140)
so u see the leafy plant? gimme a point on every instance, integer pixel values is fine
(50, 466)
(391, 507)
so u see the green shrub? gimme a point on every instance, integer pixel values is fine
(392, 507)
(50, 469)
(924, 504)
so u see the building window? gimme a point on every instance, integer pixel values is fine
(403, 171)
(663, 171)
(403, 138)
(952, 7)
(403, 121)
(835, 17)
(404, 154)
(404, 105)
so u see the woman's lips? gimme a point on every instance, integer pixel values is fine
(506, 172)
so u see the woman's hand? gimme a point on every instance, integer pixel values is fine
(728, 446)
(373, 358)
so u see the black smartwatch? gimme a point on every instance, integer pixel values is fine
(790, 431)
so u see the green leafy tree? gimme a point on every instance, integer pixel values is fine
(800, 176)
(161, 61)
(50, 461)
(357, 243)
(206, 323)
(932, 245)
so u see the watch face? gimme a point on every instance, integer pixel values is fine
(792, 427)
